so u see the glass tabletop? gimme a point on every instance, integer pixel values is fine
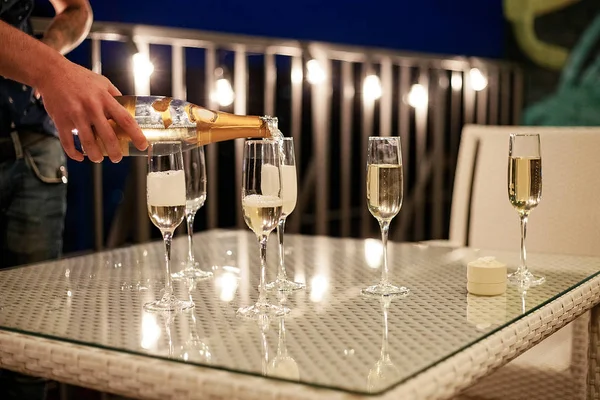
(333, 337)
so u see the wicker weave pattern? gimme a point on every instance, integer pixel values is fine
(334, 340)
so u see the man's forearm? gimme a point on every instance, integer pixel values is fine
(24, 58)
(69, 28)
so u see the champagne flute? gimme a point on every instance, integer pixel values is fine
(262, 204)
(166, 208)
(384, 198)
(289, 194)
(524, 194)
(195, 191)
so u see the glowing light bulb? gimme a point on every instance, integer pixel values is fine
(417, 97)
(223, 93)
(478, 80)
(142, 66)
(315, 73)
(372, 88)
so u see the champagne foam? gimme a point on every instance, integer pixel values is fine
(269, 180)
(261, 201)
(289, 185)
(166, 188)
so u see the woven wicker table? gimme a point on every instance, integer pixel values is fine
(80, 321)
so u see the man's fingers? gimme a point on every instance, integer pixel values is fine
(112, 89)
(109, 139)
(65, 134)
(127, 123)
(88, 141)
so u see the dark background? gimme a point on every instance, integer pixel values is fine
(462, 27)
(471, 27)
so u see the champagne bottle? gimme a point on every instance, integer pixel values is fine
(167, 119)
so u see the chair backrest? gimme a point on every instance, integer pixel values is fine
(567, 219)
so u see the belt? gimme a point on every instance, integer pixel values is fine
(11, 148)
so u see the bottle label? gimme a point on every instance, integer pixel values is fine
(163, 106)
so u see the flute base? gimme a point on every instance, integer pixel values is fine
(168, 303)
(191, 271)
(285, 285)
(259, 310)
(386, 289)
(525, 279)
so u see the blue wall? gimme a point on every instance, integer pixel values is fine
(471, 27)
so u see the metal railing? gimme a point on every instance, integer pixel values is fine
(425, 99)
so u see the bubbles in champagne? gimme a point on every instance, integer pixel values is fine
(261, 212)
(384, 190)
(524, 182)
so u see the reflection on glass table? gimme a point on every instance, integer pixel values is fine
(333, 334)
(283, 365)
(384, 373)
(194, 349)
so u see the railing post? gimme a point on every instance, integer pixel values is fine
(178, 91)
(346, 136)
(270, 82)
(405, 134)
(240, 84)
(212, 217)
(142, 232)
(178, 72)
(297, 79)
(321, 101)
(366, 131)
(385, 108)
(440, 86)
(421, 155)
(97, 168)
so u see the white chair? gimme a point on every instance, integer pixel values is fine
(567, 221)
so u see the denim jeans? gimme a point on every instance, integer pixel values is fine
(33, 194)
(33, 205)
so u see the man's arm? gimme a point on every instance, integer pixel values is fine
(23, 58)
(70, 25)
(75, 97)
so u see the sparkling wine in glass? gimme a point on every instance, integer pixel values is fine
(195, 190)
(524, 194)
(289, 194)
(262, 206)
(384, 199)
(166, 208)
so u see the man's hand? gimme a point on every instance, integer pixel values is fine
(77, 98)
